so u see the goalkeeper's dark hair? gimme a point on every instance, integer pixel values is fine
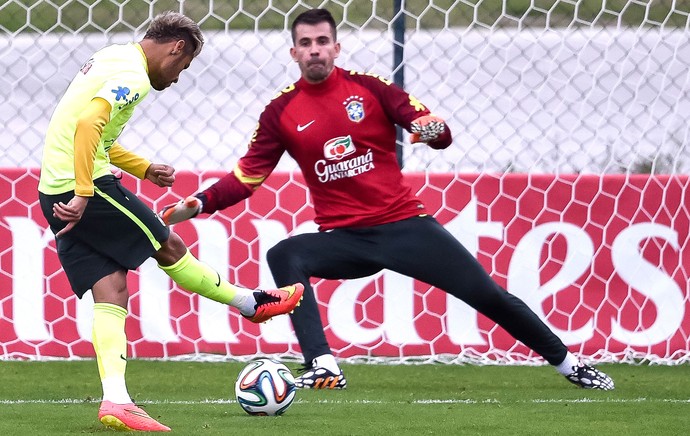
(173, 26)
(313, 17)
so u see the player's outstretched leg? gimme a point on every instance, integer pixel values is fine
(589, 377)
(274, 302)
(128, 417)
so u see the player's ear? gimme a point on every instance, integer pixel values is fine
(293, 53)
(337, 50)
(178, 47)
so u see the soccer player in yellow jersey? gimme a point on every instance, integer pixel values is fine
(101, 229)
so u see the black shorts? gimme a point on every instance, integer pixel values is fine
(117, 232)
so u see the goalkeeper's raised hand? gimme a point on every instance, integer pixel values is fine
(427, 128)
(181, 211)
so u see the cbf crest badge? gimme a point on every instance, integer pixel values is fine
(354, 106)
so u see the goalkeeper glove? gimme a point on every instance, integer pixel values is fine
(181, 211)
(427, 128)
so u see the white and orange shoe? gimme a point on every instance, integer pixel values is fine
(127, 417)
(276, 302)
(320, 378)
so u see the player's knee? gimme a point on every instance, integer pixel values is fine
(281, 254)
(171, 250)
(112, 289)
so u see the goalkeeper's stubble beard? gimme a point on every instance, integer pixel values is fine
(317, 71)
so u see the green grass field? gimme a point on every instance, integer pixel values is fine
(196, 398)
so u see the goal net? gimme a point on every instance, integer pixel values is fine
(567, 177)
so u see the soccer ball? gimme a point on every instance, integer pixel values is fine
(265, 387)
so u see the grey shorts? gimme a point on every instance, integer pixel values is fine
(117, 232)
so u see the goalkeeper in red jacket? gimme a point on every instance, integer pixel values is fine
(340, 128)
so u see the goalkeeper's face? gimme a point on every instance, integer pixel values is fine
(315, 51)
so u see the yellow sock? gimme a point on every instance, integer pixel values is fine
(195, 276)
(110, 344)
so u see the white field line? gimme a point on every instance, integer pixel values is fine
(421, 402)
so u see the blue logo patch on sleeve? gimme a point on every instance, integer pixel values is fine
(122, 93)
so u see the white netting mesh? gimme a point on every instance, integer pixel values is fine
(567, 177)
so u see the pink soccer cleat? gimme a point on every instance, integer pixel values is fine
(127, 417)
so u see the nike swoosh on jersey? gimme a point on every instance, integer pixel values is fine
(302, 127)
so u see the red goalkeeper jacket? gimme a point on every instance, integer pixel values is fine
(341, 133)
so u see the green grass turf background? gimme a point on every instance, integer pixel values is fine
(196, 398)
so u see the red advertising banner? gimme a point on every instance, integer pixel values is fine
(604, 260)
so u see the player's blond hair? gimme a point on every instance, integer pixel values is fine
(169, 26)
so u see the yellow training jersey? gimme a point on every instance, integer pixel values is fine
(118, 74)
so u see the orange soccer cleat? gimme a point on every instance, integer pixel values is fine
(127, 417)
(276, 302)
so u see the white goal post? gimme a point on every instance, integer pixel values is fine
(567, 178)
